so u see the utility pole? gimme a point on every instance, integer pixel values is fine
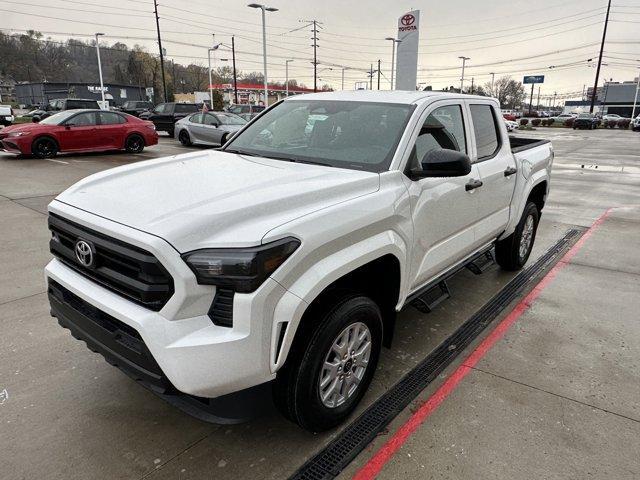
(604, 37)
(371, 77)
(286, 75)
(343, 77)
(472, 83)
(235, 76)
(493, 77)
(164, 82)
(531, 98)
(464, 61)
(378, 74)
(635, 99)
(538, 102)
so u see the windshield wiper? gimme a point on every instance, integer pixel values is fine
(241, 152)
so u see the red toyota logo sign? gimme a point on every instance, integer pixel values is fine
(408, 19)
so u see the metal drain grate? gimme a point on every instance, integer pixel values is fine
(331, 460)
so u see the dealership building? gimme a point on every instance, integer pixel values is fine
(613, 97)
(34, 94)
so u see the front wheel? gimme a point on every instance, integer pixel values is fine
(329, 370)
(44, 148)
(134, 144)
(184, 138)
(513, 252)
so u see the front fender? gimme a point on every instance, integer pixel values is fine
(308, 286)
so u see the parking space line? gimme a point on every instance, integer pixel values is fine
(57, 161)
(376, 463)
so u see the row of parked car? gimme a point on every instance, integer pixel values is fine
(78, 125)
(583, 121)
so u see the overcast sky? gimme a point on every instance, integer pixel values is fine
(513, 37)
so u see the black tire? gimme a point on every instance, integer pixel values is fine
(297, 390)
(134, 143)
(44, 147)
(184, 138)
(509, 254)
(171, 132)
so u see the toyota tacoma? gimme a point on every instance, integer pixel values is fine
(280, 260)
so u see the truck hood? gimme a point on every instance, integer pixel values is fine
(214, 199)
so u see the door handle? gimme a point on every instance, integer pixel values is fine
(510, 171)
(473, 184)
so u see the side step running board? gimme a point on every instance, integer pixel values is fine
(482, 263)
(432, 297)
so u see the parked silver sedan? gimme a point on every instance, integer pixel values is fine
(208, 128)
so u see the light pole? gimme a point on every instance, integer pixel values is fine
(343, 77)
(493, 77)
(635, 99)
(464, 61)
(286, 75)
(264, 44)
(393, 56)
(212, 49)
(100, 67)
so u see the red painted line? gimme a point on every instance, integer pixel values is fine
(373, 467)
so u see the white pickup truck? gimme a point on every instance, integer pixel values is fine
(281, 259)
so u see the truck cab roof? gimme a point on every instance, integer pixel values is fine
(384, 96)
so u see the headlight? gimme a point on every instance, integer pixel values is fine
(17, 134)
(243, 269)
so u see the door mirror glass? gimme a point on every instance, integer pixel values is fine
(443, 163)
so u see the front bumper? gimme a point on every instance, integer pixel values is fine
(177, 349)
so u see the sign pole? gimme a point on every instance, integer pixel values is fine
(531, 99)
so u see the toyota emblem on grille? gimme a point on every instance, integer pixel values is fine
(84, 253)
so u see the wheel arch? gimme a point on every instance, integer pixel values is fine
(379, 278)
(45, 135)
(135, 132)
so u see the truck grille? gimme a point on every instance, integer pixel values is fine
(125, 269)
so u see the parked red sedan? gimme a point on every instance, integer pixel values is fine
(79, 131)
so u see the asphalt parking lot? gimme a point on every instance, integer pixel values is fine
(557, 396)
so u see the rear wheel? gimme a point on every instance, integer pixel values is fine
(184, 138)
(171, 132)
(134, 144)
(329, 370)
(44, 148)
(513, 252)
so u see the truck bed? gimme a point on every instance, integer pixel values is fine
(520, 144)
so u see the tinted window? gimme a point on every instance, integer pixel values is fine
(109, 118)
(356, 135)
(210, 119)
(230, 119)
(443, 129)
(485, 130)
(83, 119)
(185, 108)
(197, 118)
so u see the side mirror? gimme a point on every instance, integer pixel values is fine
(35, 118)
(443, 163)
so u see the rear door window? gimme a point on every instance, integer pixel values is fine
(485, 130)
(185, 108)
(197, 118)
(110, 118)
(85, 119)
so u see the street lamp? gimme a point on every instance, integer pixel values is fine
(286, 75)
(393, 56)
(212, 49)
(635, 98)
(100, 68)
(464, 61)
(264, 45)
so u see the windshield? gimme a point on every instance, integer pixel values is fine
(230, 119)
(58, 118)
(356, 135)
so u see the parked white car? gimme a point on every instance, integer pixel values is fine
(6, 115)
(635, 124)
(285, 256)
(511, 125)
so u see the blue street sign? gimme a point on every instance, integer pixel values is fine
(534, 79)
